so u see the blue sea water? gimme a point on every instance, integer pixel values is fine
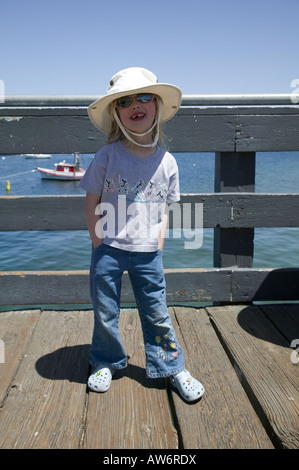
(67, 250)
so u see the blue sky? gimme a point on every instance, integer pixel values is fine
(202, 46)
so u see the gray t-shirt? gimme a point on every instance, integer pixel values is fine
(133, 193)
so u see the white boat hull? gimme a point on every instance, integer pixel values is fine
(60, 175)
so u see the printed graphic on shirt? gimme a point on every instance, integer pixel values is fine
(137, 190)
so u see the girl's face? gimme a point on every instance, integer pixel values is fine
(138, 116)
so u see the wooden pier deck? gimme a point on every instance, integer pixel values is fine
(241, 353)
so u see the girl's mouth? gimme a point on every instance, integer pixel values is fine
(137, 116)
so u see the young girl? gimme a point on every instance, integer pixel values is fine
(129, 184)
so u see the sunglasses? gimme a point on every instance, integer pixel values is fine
(126, 101)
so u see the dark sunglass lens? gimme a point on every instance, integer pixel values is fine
(124, 102)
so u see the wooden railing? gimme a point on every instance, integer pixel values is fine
(233, 127)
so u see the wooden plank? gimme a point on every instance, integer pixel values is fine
(285, 318)
(225, 210)
(193, 129)
(134, 413)
(272, 133)
(224, 417)
(72, 287)
(263, 358)
(265, 210)
(58, 133)
(45, 407)
(197, 285)
(15, 332)
(265, 284)
(63, 132)
(42, 213)
(183, 285)
(44, 287)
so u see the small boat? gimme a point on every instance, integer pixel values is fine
(37, 155)
(63, 171)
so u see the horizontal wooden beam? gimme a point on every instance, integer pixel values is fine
(226, 285)
(225, 210)
(63, 129)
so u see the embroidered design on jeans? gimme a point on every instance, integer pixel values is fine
(166, 352)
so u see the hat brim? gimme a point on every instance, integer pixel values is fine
(99, 110)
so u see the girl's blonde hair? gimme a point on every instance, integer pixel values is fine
(116, 133)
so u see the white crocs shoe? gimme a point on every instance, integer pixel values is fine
(100, 379)
(189, 388)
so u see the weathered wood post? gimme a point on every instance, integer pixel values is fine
(234, 172)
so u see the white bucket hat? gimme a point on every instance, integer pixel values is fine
(131, 81)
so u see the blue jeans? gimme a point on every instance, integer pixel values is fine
(164, 356)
